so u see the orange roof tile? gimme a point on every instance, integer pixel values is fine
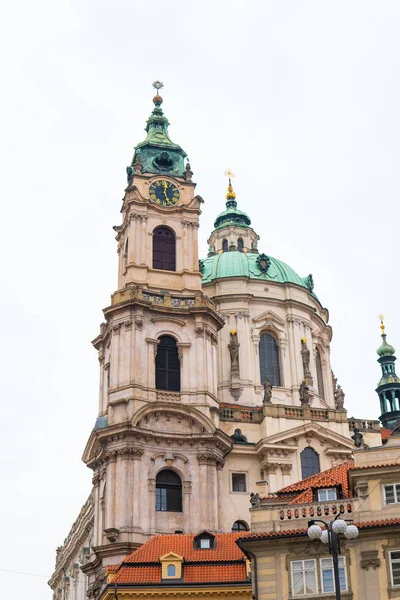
(112, 568)
(385, 433)
(299, 532)
(214, 573)
(239, 406)
(331, 477)
(225, 549)
(138, 575)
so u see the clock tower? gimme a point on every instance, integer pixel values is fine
(156, 450)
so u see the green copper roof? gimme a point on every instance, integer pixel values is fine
(231, 215)
(246, 264)
(158, 153)
(385, 349)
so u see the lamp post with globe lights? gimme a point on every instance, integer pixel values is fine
(330, 535)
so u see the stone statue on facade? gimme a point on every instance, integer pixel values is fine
(339, 398)
(233, 347)
(254, 500)
(334, 382)
(238, 437)
(305, 356)
(137, 165)
(129, 174)
(357, 437)
(188, 172)
(267, 391)
(304, 393)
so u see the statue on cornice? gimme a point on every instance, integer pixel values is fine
(304, 393)
(267, 391)
(233, 347)
(339, 398)
(305, 356)
(357, 437)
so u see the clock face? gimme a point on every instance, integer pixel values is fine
(164, 193)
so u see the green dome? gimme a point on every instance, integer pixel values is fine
(232, 216)
(246, 264)
(385, 349)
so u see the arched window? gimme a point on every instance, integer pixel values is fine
(240, 526)
(225, 245)
(320, 377)
(168, 368)
(171, 571)
(126, 251)
(164, 249)
(269, 360)
(309, 462)
(240, 245)
(168, 492)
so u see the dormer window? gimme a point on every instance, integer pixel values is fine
(204, 541)
(327, 494)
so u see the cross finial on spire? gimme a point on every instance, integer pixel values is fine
(158, 85)
(230, 195)
(382, 324)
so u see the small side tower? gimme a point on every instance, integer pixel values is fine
(388, 388)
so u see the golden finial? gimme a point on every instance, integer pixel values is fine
(303, 339)
(382, 324)
(230, 195)
(233, 332)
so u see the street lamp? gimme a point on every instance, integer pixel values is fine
(330, 535)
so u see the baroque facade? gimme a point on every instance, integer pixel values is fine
(215, 374)
(365, 491)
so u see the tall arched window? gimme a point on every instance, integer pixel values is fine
(168, 368)
(269, 360)
(240, 526)
(171, 571)
(168, 492)
(164, 249)
(320, 377)
(240, 245)
(225, 245)
(309, 462)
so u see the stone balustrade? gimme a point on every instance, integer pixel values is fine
(165, 299)
(256, 415)
(364, 425)
(271, 516)
(168, 396)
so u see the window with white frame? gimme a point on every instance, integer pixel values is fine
(394, 558)
(392, 493)
(327, 494)
(304, 577)
(328, 578)
(239, 482)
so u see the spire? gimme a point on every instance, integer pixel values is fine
(158, 153)
(388, 388)
(231, 216)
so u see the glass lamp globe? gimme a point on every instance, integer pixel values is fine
(314, 532)
(339, 526)
(351, 532)
(325, 537)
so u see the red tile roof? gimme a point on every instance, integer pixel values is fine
(300, 532)
(330, 478)
(139, 567)
(385, 433)
(225, 549)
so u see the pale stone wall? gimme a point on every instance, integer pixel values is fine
(287, 311)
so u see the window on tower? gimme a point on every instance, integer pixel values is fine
(309, 462)
(168, 368)
(126, 251)
(164, 255)
(240, 526)
(168, 492)
(269, 360)
(240, 245)
(225, 245)
(320, 377)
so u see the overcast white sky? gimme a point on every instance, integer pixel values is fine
(300, 99)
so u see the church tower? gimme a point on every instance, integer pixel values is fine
(156, 450)
(388, 388)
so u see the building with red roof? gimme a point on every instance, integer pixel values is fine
(205, 565)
